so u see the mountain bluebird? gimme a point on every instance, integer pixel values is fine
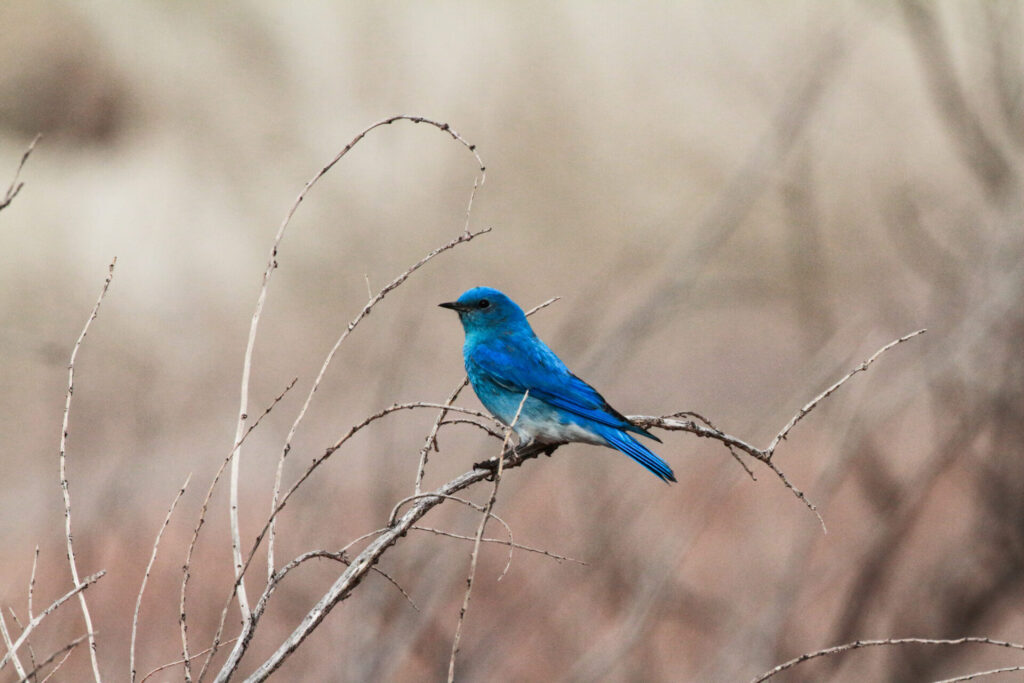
(505, 359)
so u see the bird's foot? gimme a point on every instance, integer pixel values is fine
(490, 465)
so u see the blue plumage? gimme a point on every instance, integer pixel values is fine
(505, 359)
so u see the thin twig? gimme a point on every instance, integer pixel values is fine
(63, 470)
(342, 557)
(186, 659)
(395, 283)
(408, 499)
(66, 650)
(58, 665)
(261, 604)
(501, 541)
(813, 403)
(798, 493)
(317, 462)
(857, 644)
(30, 626)
(676, 422)
(353, 576)
(431, 441)
(421, 504)
(175, 663)
(473, 423)
(979, 674)
(10, 646)
(28, 643)
(236, 539)
(32, 581)
(15, 186)
(145, 577)
(477, 541)
(247, 625)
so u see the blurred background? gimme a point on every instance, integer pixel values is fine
(737, 202)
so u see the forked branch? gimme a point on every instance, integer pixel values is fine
(422, 503)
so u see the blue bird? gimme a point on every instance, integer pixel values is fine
(505, 359)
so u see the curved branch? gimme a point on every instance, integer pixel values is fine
(422, 503)
(236, 539)
(857, 644)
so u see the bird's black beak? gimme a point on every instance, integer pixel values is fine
(454, 305)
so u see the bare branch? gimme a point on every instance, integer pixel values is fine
(63, 471)
(424, 502)
(89, 580)
(176, 663)
(798, 493)
(59, 664)
(32, 581)
(476, 542)
(395, 283)
(186, 567)
(248, 626)
(334, 448)
(145, 577)
(764, 455)
(490, 431)
(66, 650)
(15, 186)
(501, 541)
(10, 646)
(398, 506)
(338, 556)
(236, 541)
(431, 441)
(980, 674)
(857, 644)
(813, 403)
(361, 564)
(28, 643)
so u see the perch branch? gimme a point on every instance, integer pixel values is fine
(421, 504)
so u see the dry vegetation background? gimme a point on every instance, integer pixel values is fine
(737, 201)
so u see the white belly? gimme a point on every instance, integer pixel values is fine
(546, 429)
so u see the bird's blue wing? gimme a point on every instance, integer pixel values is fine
(519, 365)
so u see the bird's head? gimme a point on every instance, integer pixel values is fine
(484, 309)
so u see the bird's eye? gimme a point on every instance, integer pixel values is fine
(484, 303)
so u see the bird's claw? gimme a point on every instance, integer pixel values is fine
(489, 465)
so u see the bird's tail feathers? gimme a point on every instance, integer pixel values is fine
(624, 442)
